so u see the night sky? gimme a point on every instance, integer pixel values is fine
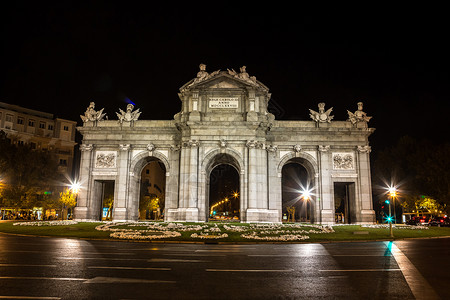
(58, 56)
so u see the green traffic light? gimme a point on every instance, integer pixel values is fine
(387, 202)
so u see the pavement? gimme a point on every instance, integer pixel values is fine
(62, 268)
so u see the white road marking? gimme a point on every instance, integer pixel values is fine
(101, 258)
(130, 268)
(362, 270)
(124, 280)
(284, 255)
(419, 286)
(29, 297)
(195, 255)
(44, 278)
(361, 255)
(242, 270)
(176, 260)
(21, 265)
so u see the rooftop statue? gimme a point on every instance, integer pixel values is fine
(322, 116)
(358, 116)
(91, 114)
(243, 75)
(129, 115)
(203, 75)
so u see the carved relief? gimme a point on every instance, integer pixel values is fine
(105, 159)
(297, 148)
(86, 147)
(223, 143)
(191, 143)
(151, 147)
(364, 149)
(124, 147)
(323, 148)
(343, 161)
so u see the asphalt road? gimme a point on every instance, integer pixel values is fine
(60, 268)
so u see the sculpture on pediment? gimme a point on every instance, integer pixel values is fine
(91, 114)
(243, 75)
(359, 115)
(203, 75)
(322, 116)
(129, 115)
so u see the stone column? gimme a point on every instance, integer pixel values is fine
(192, 207)
(82, 211)
(366, 205)
(121, 187)
(325, 185)
(252, 175)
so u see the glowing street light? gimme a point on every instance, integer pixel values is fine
(306, 196)
(75, 187)
(392, 191)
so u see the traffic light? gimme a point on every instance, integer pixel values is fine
(386, 201)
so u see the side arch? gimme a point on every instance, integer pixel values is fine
(142, 158)
(137, 164)
(308, 161)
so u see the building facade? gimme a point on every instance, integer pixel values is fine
(224, 120)
(40, 130)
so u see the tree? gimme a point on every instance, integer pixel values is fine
(416, 168)
(68, 200)
(27, 174)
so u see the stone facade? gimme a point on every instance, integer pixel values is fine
(224, 120)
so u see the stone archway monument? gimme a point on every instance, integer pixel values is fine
(224, 120)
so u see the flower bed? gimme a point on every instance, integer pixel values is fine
(46, 223)
(158, 230)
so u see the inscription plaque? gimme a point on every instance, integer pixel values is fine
(223, 102)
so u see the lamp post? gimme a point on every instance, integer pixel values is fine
(306, 196)
(389, 219)
(393, 194)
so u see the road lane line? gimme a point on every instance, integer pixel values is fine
(130, 268)
(176, 260)
(369, 255)
(124, 280)
(243, 270)
(362, 270)
(29, 297)
(21, 265)
(419, 286)
(44, 278)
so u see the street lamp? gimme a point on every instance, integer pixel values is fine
(306, 196)
(393, 194)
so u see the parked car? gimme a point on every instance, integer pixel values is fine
(439, 221)
(424, 220)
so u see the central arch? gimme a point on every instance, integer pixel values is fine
(230, 164)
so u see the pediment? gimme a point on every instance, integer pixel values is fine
(223, 80)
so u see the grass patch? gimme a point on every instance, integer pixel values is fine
(233, 231)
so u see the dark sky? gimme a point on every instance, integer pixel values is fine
(58, 56)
